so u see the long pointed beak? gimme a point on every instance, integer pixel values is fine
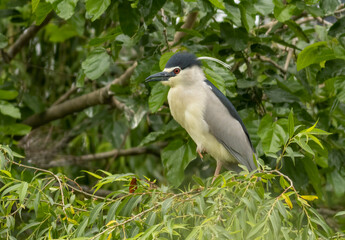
(161, 76)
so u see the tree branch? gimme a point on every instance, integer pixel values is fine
(24, 39)
(100, 96)
(73, 160)
(266, 59)
(188, 24)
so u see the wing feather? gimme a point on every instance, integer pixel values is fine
(227, 127)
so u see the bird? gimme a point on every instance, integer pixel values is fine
(205, 113)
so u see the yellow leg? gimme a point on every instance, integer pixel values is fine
(216, 173)
(201, 156)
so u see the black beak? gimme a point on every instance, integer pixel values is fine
(161, 76)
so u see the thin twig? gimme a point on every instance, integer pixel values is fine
(266, 59)
(70, 159)
(51, 173)
(66, 95)
(111, 228)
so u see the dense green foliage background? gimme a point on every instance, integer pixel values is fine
(89, 151)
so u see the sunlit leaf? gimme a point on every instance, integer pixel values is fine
(287, 200)
(96, 63)
(309, 197)
(164, 59)
(93, 174)
(218, 3)
(95, 8)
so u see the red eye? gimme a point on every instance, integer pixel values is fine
(177, 71)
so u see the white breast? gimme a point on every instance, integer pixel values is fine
(187, 108)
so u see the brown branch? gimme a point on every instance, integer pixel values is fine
(340, 8)
(97, 97)
(188, 24)
(66, 95)
(51, 173)
(266, 59)
(24, 39)
(73, 160)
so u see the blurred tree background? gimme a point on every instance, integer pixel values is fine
(89, 151)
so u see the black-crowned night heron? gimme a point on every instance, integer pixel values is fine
(205, 113)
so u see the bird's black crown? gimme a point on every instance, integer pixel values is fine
(183, 60)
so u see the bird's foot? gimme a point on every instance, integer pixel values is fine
(199, 152)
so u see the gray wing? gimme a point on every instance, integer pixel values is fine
(227, 127)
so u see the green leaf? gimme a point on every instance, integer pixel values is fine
(291, 126)
(329, 6)
(272, 135)
(149, 8)
(339, 85)
(81, 228)
(95, 212)
(284, 13)
(341, 213)
(109, 36)
(176, 157)
(112, 211)
(60, 34)
(257, 228)
(158, 96)
(131, 204)
(129, 18)
(96, 63)
(297, 30)
(28, 226)
(164, 59)
(319, 52)
(93, 174)
(337, 182)
(338, 28)
(8, 94)
(313, 175)
(3, 43)
(316, 140)
(303, 144)
(22, 191)
(167, 131)
(9, 110)
(216, 79)
(65, 8)
(11, 189)
(264, 7)
(34, 4)
(15, 129)
(218, 3)
(246, 19)
(96, 8)
(237, 38)
(42, 10)
(166, 205)
(2, 161)
(149, 231)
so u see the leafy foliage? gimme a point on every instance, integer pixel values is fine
(73, 101)
(234, 206)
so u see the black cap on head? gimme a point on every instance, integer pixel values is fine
(183, 60)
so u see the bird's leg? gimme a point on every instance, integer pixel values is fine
(199, 152)
(216, 173)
